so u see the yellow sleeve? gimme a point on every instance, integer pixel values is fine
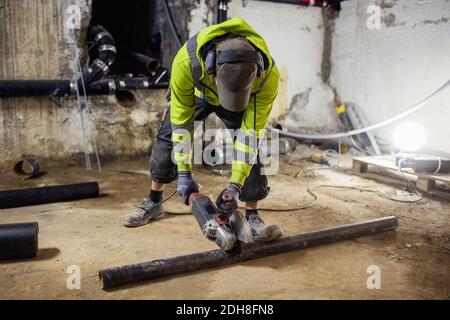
(182, 109)
(246, 143)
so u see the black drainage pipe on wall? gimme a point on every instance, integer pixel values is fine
(100, 38)
(335, 4)
(33, 88)
(222, 9)
(61, 88)
(107, 52)
(129, 274)
(111, 86)
(18, 240)
(42, 195)
(140, 63)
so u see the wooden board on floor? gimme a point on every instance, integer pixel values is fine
(424, 182)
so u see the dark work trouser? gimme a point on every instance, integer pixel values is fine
(164, 170)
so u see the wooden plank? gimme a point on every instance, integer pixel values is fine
(390, 174)
(398, 183)
(388, 162)
(443, 177)
(423, 183)
(359, 167)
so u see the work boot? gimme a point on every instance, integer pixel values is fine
(145, 212)
(261, 231)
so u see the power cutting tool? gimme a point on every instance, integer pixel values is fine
(224, 231)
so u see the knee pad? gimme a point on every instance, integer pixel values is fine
(162, 169)
(255, 186)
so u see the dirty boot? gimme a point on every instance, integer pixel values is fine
(145, 212)
(261, 231)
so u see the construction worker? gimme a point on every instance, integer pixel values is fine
(226, 69)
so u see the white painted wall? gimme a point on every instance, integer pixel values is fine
(388, 70)
(295, 37)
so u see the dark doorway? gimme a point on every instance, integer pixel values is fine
(133, 27)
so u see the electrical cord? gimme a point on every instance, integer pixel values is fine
(439, 166)
(328, 153)
(315, 200)
(168, 198)
(172, 23)
(359, 148)
(316, 197)
(311, 190)
(366, 129)
(409, 183)
(173, 212)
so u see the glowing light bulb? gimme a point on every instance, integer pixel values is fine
(409, 136)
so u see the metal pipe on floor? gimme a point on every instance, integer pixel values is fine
(125, 275)
(18, 240)
(42, 195)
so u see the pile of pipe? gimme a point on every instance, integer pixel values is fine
(93, 81)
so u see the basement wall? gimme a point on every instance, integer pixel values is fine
(35, 45)
(296, 36)
(385, 71)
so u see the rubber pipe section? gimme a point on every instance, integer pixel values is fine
(141, 63)
(134, 273)
(335, 4)
(27, 168)
(60, 88)
(32, 88)
(111, 86)
(18, 240)
(58, 193)
(107, 52)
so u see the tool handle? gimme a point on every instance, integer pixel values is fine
(194, 196)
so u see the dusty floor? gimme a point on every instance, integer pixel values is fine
(414, 260)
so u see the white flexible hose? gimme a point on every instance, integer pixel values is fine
(362, 130)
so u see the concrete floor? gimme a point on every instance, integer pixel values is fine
(414, 260)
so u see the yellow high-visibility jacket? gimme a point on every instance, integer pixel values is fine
(183, 90)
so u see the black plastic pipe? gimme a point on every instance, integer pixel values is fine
(61, 88)
(141, 63)
(222, 9)
(93, 78)
(58, 193)
(106, 48)
(335, 4)
(18, 240)
(172, 26)
(118, 276)
(32, 88)
(111, 86)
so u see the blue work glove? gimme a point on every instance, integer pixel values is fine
(186, 186)
(227, 200)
